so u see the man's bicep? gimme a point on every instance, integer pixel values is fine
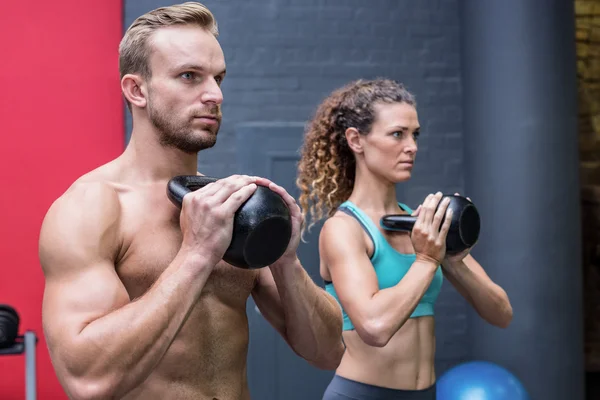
(76, 249)
(76, 298)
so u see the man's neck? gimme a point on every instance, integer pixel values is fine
(146, 160)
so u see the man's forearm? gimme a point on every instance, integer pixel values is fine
(120, 349)
(313, 319)
(488, 299)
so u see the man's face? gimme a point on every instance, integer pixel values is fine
(184, 94)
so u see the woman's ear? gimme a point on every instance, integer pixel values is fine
(354, 139)
(133, 90)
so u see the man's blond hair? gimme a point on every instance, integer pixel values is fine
(134, 49)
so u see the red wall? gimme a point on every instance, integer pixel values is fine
(60, 116)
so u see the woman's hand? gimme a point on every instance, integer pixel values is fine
(428, 234)
(456, 258)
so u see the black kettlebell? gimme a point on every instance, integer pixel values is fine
(464, 229)
(9, 325)
(262, 226)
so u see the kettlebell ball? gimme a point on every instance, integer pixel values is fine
(464, 229)
(262, 226)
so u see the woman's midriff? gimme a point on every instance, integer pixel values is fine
(406, 362)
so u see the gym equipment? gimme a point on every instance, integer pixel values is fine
(11, 343)
(262, 226)
(9, 325)
(480, 380)
(464, 229)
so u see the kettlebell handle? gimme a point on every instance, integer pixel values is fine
(464, 228)
(179, 186)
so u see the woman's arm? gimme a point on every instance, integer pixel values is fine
(378, 314)
(486, 297)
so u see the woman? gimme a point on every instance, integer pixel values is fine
(361, 142)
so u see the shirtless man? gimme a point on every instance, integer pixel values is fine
(138, 303)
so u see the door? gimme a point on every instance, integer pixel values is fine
(275, 372)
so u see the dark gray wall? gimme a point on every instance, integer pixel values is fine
(284, 56)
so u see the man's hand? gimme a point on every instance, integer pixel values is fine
(207, 215)
(296, 215)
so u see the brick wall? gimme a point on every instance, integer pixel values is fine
(284, 56)
(588, 67)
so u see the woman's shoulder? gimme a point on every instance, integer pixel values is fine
(340, 225)
(341, 237)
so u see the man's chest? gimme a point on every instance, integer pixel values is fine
(150, 245)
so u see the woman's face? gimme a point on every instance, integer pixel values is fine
(389, 150)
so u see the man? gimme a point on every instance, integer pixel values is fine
(138, 302)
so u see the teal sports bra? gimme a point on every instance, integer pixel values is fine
(389, 264)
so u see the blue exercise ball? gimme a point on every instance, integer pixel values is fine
(480, 380)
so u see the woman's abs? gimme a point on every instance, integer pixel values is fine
(405, 362)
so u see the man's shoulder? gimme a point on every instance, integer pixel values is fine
(88, 191)
(80, 225)
(95, 187)
(92, 199)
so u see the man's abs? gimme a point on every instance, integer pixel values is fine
(406, 362)
(207, 360)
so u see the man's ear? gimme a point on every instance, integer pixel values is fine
(354, 139)
(134, 90)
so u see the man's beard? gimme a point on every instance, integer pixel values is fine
(179, 134)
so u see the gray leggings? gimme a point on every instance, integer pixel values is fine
(341, 388)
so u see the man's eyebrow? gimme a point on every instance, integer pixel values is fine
(195, 67)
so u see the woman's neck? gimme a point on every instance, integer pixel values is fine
(375, 195)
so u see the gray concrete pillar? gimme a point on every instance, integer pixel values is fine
(521, 157)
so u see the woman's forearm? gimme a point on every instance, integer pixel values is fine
(487, 298)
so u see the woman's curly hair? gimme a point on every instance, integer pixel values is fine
(326, 168)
